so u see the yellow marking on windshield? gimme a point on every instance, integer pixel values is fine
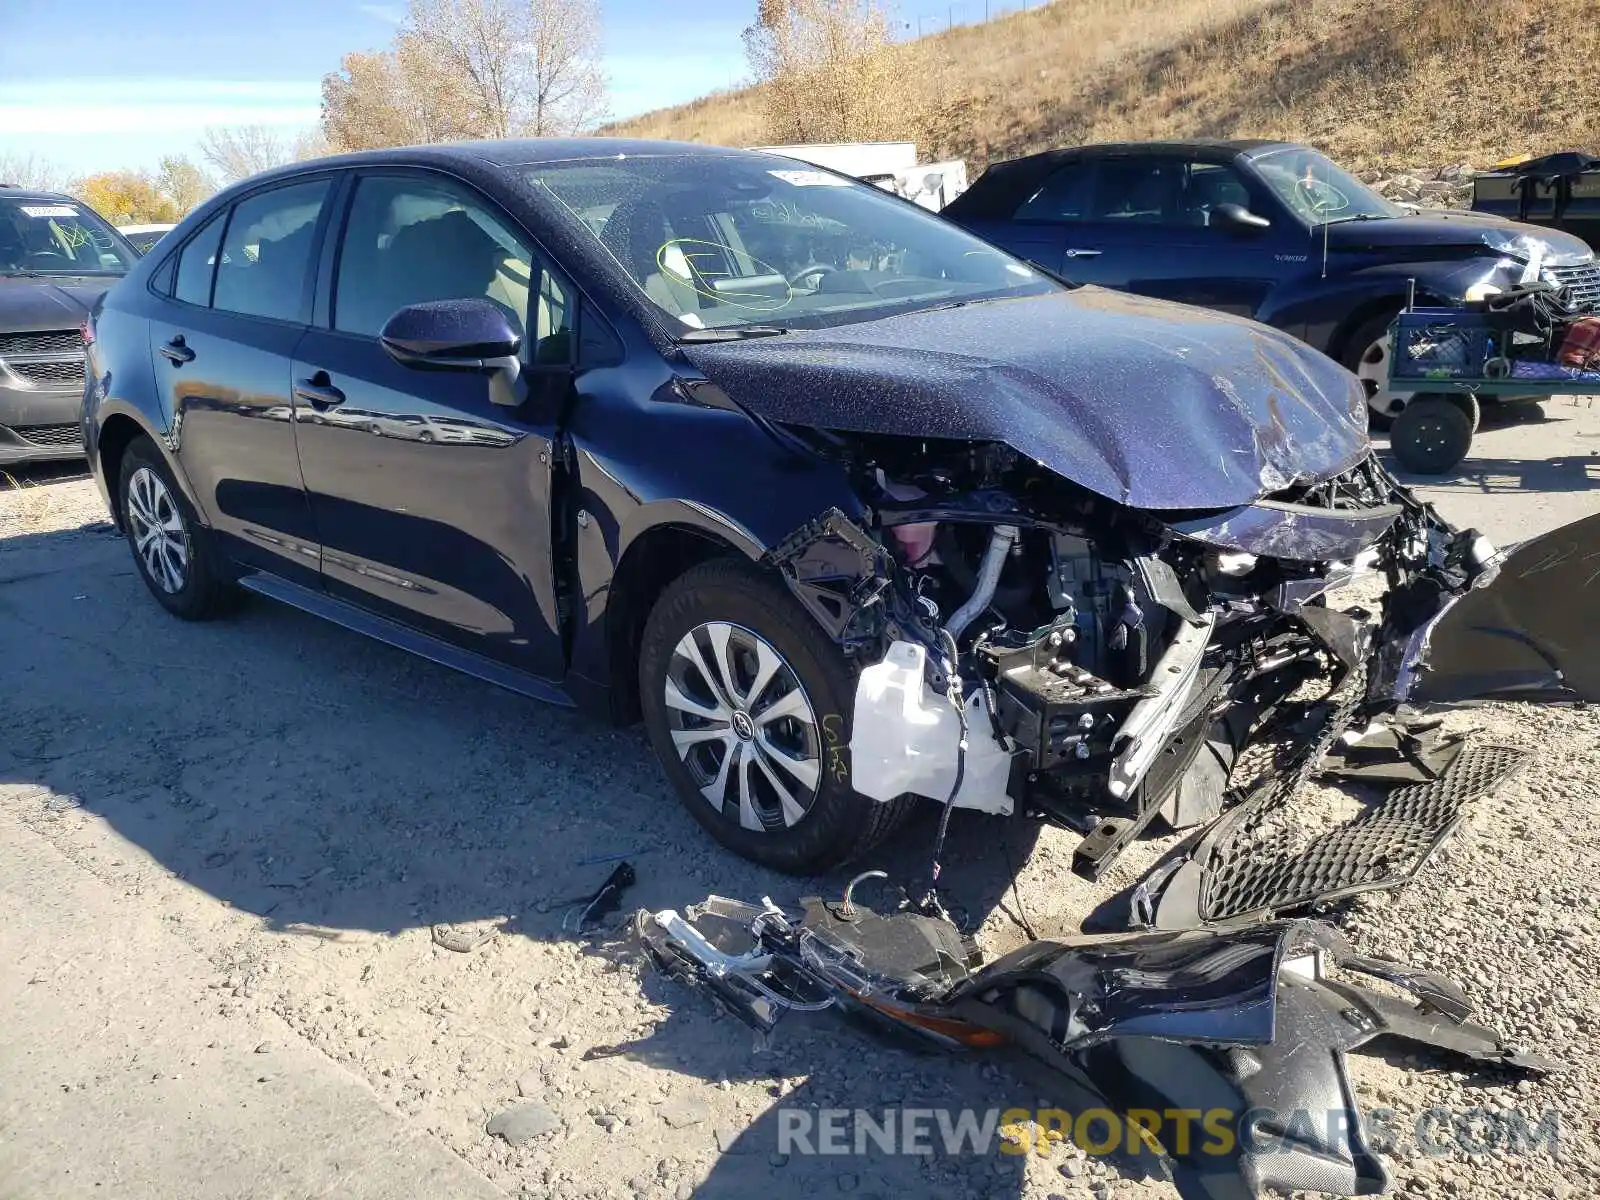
(704, 261)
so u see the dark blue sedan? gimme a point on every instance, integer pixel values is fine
(848, 505)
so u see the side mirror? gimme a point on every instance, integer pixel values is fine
(1236, 218)
(458, 335)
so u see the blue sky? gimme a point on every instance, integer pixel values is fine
(96, 85)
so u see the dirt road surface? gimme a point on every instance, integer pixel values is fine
(281, 915)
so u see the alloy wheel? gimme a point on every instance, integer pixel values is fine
(158, 534)
(1373, 371)
(743, 725)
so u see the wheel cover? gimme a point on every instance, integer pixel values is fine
(159, 538)
(743, 725)
(1373, 371)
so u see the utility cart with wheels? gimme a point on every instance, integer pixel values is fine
(1452, 358)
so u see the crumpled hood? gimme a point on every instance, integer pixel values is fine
(1434, 230)
(1152, 404)
(38, 304)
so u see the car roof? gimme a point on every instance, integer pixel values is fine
(10, 191)
(1233, 146)
(510, 152)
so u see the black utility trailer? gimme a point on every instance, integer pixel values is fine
(1561, 191)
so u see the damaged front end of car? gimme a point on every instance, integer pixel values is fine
(1064, 603)
(1027, 646)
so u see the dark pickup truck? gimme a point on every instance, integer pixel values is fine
(1268, 230)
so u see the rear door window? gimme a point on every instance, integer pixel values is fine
(197, 262)
(268, 252)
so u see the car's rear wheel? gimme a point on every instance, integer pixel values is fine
(171, 549)
(748, 706)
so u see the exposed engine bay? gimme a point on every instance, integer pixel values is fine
(1025, 645)
(1090, 560)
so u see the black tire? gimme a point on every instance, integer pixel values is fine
(1356, 346)
(1469, 404)
(1431, 435)
(838, 823)
(202, 592)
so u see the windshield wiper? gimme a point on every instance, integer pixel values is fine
(735, 334)
(22, 275)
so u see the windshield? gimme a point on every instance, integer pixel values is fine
(723, 241)
(1320, 190)
(57, 237)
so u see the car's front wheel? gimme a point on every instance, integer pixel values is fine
(1367, 355)
(748, 706)
(170, 546)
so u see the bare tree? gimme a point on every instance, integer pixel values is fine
(395, 97)
(31, 171)
(240, 151)
(309, 143)
(569, 85)
(472, 68)
(829, 70)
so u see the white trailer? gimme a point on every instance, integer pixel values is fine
(892, 166)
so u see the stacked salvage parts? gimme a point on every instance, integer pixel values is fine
(1249, 1026)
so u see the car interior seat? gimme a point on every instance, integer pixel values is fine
(1208, 189)
(637, 234)
(12, 249)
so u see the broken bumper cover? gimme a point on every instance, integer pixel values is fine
(1250, 1025)
(1525, 630)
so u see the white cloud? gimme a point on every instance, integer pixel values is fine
(70, 108)
(389, 14)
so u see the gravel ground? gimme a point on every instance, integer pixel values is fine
(380, 853)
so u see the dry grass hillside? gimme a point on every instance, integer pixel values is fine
(1379, 85)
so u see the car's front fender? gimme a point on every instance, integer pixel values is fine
(1324, 310)
(679, 464)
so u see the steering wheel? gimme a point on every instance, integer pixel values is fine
(817, 268)
(1322, 197)
(48, 258)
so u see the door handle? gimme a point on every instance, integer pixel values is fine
(1084, 253)
(177, 351)
(318, 391)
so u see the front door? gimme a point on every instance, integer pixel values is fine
(432, 503)
(1151, 228)
(222, 344)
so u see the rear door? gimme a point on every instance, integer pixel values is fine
(432, 503)
(222, 344)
